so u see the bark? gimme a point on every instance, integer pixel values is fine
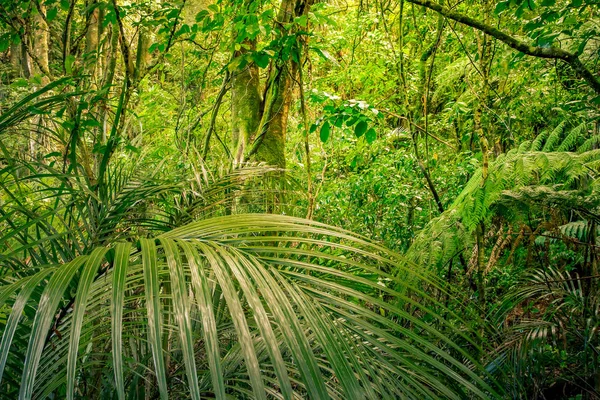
(269, 146)
(142, 58)
(15, 59)
(67, 35)
(271, 149)
(245, 108)
(541, 52)
(259, 126)
(125, 50)
(92, 40)
(25, 59)
(92, 32)
(109, 76)
(41, 41)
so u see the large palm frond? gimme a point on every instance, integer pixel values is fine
(249, 306)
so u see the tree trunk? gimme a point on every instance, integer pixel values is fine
(275, 115)
(259, 128)
(111, 64)
(92, 40)
(41, 41)
(15, 59)
(92, 33)
(25, 60)
(270, 144)
(245, 108)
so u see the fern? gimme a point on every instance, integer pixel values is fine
(525, 146)
(537, 143)
(590, 144)
(573, 138)
(554, 138)
(517, 181)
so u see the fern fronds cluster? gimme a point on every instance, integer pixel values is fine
(541, 173)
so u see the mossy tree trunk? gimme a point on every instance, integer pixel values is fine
(259, 125)
(246, 107)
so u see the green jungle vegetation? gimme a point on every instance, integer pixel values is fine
(346, 199)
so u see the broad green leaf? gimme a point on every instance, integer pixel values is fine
(325, 131)
(371, 135)
(261, 59)
(51, 13)
(501, 6)
(360, 128)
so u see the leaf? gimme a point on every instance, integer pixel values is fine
(238, 318)
(261, 59)
(339, 121)
(360, 128)
(283, 307)
(120, 264)
(4, 42)
(149, 261)
(83, 290)
(581, 47)
(371, 135)
(325, 131)
(501, 6)
(351, 121)
(202, 15)
(182, 313)
(16, 314)
(51, 14)
(46, 310)
(302, 20)
(242, 267)
(209, 324)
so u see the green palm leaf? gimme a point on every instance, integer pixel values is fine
(250, 306)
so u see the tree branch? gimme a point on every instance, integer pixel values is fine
(213, 117)
(541, 52)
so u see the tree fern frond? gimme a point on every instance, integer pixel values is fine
(571, 141)
(592, 143)
(553, 138)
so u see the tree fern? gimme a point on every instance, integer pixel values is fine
(538, 142)
(553, 140)
(574, 138)
(515, 180)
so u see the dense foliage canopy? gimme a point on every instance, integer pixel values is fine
(299, 199)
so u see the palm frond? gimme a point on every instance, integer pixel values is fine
(249, 306)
